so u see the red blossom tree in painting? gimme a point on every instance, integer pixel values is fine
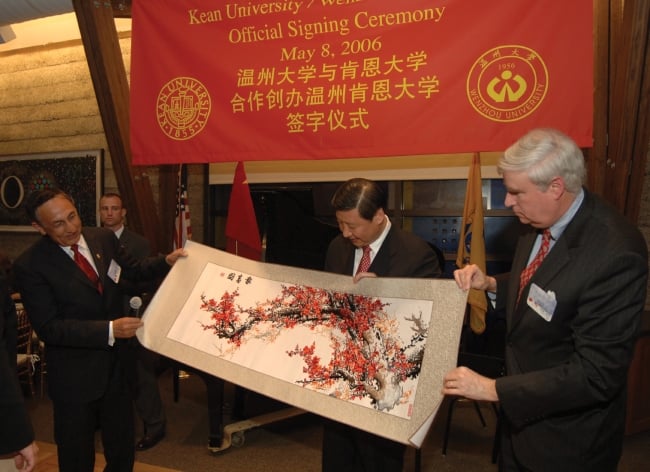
(368, 358)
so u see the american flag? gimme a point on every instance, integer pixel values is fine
(182, 223)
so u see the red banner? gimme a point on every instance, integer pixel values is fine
(284, 79)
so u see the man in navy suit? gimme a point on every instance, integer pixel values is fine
(360, 207)
(148, 403)
(78, 313)
(571, 327)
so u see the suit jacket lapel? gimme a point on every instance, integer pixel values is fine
(349, 258)
(381, 263)
(555, 261)
(62, 261)
(519, 262)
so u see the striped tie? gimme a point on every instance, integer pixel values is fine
(528, 272)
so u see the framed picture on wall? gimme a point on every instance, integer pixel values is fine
(78, 173)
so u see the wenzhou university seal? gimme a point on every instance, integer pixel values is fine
(507, 83)
(183, 108)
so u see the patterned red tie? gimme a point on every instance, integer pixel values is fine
(364, 264)
(87, 269)
(528, 272)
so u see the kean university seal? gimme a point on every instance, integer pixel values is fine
(183, 108)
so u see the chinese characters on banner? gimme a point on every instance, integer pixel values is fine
(278, 80)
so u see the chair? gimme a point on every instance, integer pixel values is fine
(488, 366)
(26, 359)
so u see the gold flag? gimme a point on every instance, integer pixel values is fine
(471, 244)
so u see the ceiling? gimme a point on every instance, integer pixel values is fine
(25, 23)
(17, 11)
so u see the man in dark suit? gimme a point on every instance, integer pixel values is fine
(69, 281)
(360, 207)
(17, 445)
(148, 403)
(571, 326)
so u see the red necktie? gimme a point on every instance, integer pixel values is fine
(364, 264)
(528, 272)
(85, 266)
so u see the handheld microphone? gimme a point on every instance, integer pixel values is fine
(135, 304)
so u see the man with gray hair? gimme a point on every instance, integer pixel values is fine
(573, 302)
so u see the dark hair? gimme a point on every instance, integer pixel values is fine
(363, 194)
(39, 197)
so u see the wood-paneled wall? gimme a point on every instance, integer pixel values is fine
(48, 104)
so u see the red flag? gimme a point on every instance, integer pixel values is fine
(182, 224)
(471, 245)
(242, 234)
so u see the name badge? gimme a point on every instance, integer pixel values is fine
(114, 271)
(542, 302)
